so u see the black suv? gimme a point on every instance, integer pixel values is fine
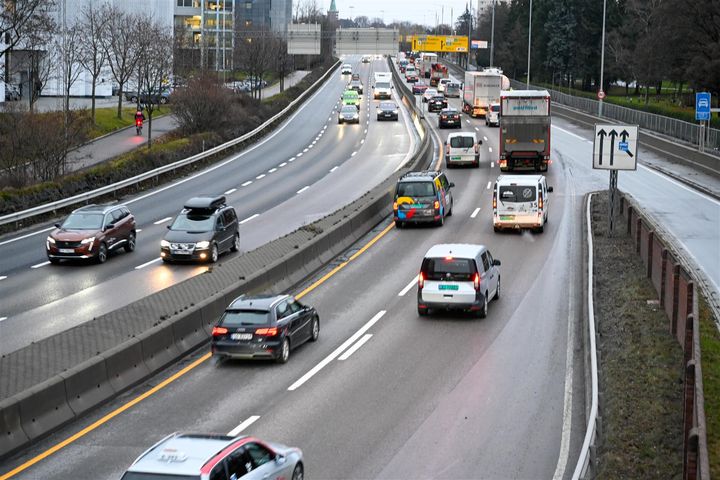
(264, 326)
(422, 197)
(204, 229)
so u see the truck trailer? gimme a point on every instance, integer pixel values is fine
(524, 130)
(480, 90)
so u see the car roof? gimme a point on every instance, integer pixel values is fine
(182, 454)
(256, 302)
(424, 175)
(93, 208)
(462, 134)
(524, 93)
(519, 179)
(460, 250)
(451, 109)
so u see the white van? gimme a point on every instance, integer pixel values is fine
(492, 117)
(457, 276)
(462, 148)
(442, 83)
(520, 201)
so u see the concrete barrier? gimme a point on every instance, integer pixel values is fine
(189, 331)
(125, 365)
(158, 346)
(87, 385)
(44, 407)
(12, 436)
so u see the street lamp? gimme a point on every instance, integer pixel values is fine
(602, 63)
(529, 42)
(492, 35)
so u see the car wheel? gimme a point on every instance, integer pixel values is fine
(496, 229)
(213, 253)
(298, 472)
(284, 351)
(440, 222)
(497, 290)
(236, 243)
(452, 204)
(315, 329)
(540, 229)
(399, 224)
(130, 244)
(102, 253)
(483, 313)
(54, 261)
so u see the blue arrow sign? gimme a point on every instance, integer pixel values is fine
(702, 106)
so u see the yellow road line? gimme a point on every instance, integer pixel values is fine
(54, 449)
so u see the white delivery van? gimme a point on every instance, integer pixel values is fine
(456, 276)
(462, 148)
(492, 117)
(520, 201)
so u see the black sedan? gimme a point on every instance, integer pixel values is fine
(437, 103)
(387, 111)
(356, 85)
(449, 117)
(264, 327)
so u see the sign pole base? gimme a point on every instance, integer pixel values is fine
(611, 199)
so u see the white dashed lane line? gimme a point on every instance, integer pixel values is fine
(485, 138)
(492, 164)
(259, 177)
(246, 183)
(3, 318)
(303, 189)
(250, 420)
(477, 129)
(232, 190)
(3, 277)
(490, 149)
(272, 170)
(282, 164)
(354, 153)
(489, 184)
(365, 131)
(154, 260)
(407, 287)
(299, 155)
(362, 141)
(305, 151)
(475, 213)
(331, 170)
(355, 347)
(249, 218)
(162, 220)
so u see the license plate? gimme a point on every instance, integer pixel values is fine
(507, 217)
(456, 157)
(388, 114)
(67, 250)
(448, 287)
(181, 252)
(241, 336)
(451, 121)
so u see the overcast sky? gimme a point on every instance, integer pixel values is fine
(416, 11)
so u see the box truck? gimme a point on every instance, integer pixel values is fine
(480, 90)
(524, 130)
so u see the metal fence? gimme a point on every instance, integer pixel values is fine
(672, 127)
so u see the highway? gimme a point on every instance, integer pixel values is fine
(308, 168)
(445, 396)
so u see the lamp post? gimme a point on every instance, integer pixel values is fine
(602, 63)
(492, 34)
(529, 43)
(467, 67)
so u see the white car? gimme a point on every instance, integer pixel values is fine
(520, 201)
(441, 84)
(462, 148)
(492, 117)
(456, 276)
(428, 94)
(346, 69)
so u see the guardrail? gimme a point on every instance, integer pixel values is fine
(59, 379)
(84, 197)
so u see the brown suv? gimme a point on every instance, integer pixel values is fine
(91, 232)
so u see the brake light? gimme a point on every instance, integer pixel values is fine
(421, 280)
(476, 281)
(217, 331)
(268, 332)
(437, 205)
(494, 200)
(395, 206)
(540, 201)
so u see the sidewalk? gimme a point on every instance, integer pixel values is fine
(125, 140)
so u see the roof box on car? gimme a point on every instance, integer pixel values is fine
(205, 202)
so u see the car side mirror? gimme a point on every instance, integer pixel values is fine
(57, 225)
(167, 226)
(550, 189)
(280, 459)
(373, 87)
(109, 226)
(479, 142)
(451, 184)
(496, 262)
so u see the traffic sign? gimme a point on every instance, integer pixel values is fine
(615, 147)
(601, 94)
(702, 106)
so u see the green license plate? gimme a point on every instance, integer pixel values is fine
(456, 157)
(448, 287)
(507, 217)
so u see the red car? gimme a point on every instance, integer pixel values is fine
(419, 88)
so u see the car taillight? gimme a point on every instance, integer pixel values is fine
(437, 205)
(444, 117)
(494, 200)
(395, 206)
(447, 150)
(476, 281)
(268, 332)
(217, 331)
(540, 201)
(421, 280)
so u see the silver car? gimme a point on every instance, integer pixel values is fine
(205, 457)
(348, 114)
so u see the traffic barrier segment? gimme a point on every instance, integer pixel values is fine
(125, 365)
(158, 345)
(44, 407)
(87, 385)
(12, 436)
(189, 331)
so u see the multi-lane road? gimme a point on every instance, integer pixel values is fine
(383, 393)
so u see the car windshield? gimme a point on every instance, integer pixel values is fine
(382, 85)
(355, 83)
(83, 221)
(239, 318)
(517, 193)
(431, 91)
(462, 142)
(415, 189)
(388, 106)
(438, 98)
(193, 222)
(449, 112)
(448, 268)
(494, 108)
(349, 109)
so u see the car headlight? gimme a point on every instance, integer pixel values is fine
(51, 240)
(203, 244)
(164, 243)
(87, 240)
(395, 112)
(356, 116)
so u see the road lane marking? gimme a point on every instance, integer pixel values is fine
(272, 170)
(408, 287)
(490, 149)
(282, 165)
(323, 363)
(573, 134)
(249, 218)
(303, 189)
(477, 129)
(492, 164)
(475, 212)
(250, 420)
(331, 170)
(488, 187)
(314, 142)
(41, 264)
(305, 151)
(311, 146)
(138, 230)
(362, 141)
(259, 177)
(246, 183)
(232, 190)
(485, 138)
(299, 155)
(3, 277)
(3, 318)
(355, 347)
(162, 220)
(27, 236)
(154, 260)
(354, 153)
(365, 130)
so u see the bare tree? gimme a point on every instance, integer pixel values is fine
(283, 60)
(33, 57)
(121, 47)
(67, 48)
(18, 18)
(154, 66)
(307, 11)
(255, 56)
(93, 27)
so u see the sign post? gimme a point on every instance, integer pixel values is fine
(614, 148)
(702, 115)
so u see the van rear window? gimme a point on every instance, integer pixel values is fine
(415, 189)
(458, 269)
(517, 193)
(461, 142)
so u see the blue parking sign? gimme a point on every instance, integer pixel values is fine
(702, 106)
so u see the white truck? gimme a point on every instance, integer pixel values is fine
(383, 86)
(426, 63)
(480, 90)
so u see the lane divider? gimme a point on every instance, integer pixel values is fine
(475, 212)
(232, 190)
(408, 287)
(260, 177)
(303, 189)
(40, 265)
(246, 183)
(3, 277)
(355, 347)
(489, 185)
(249, 218)
(249, 421)
(162, 220)
(272, 170)
(154, 260)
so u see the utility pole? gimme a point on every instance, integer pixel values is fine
(492, 34)
(529, 42)
(602, 63)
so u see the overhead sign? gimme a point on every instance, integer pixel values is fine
(615, 147)
(439, 43)
(702, 106)
(303, 39)
(377, 41)
(476, 44)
